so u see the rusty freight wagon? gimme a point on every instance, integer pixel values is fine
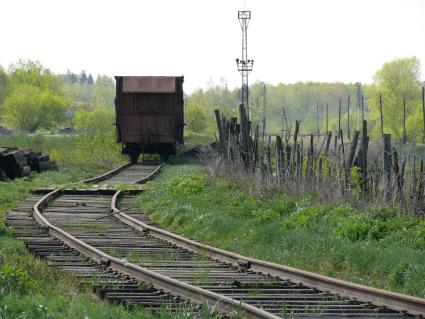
(149, 114)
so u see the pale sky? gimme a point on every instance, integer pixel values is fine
(290, 41)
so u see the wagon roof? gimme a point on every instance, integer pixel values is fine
(149, 84)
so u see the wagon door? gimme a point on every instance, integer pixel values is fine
(157, 128)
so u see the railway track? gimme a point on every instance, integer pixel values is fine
(99, 236)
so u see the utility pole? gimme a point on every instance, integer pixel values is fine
(244, 64)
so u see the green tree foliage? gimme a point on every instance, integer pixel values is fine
(4, 85)
(78, 94)
(34, 98)
(70, 77)
(396, 80)
(299, 99)
(21, 107)
(83, 77)
(33, 73)
(99, 119)
(90, 80)
(52, 110)
(104, 92)
(195, 118)
(29, 108)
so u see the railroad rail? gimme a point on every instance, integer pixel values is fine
(99, 235)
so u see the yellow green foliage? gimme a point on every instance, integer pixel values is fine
(187, 184)
(99, 120)
(195, 118)
(396, 80)
(29, 108)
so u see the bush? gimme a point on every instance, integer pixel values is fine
(97, 120)
(400, 274)
(15, 279)
(29, 108)
(187, 184)
(195, 118)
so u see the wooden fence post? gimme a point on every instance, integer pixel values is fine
(310, 160)
(363, 162)
(344, 162)
(348, 120)
(423, 110)
(268, 155)
(353, 149)
(387, 167)
(288, 131)
(317, 119)
(380, 114)
(295, 148)
(220, 130)
(255, 148)
(339, 118)
(279, 160)
(328, 142)
(327, 118)
(404, 122)
(244, 135)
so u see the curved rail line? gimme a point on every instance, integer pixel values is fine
(399, 302)
(194, 271)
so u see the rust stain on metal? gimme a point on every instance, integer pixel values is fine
(149, 84)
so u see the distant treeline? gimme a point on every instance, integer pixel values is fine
(398, 81)
(34, 98)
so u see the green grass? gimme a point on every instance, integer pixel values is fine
(192, 138)
(28, 287)
(375, 248)
(98, 148)
(31, 289)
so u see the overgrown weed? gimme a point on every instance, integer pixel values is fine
(336, 239)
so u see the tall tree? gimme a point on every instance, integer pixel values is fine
(34, 99)
(195, 118)
(104, 91)
(396, 80)
(33, 73)
(4, 85)
(90, 80)
(83, 77)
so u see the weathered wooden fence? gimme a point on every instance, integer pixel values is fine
(356, 171)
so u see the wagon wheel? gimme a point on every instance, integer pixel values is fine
(134, 157)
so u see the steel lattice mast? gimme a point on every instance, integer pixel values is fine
(244, 64)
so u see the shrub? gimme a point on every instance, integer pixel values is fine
(15, 279)
(97, 120)
(195, 118)
(29, 108)
(187, 184)
(400, 274)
